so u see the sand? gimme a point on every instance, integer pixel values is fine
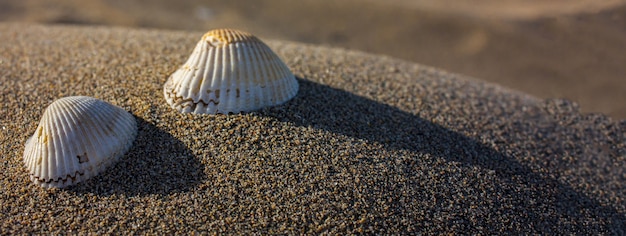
(369, 144)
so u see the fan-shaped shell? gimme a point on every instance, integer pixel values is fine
(77, 138)
(230, 71)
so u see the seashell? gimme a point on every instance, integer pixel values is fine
(77, 138)
(230, 71)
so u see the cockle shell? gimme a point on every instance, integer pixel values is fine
(77, 138)
(230, 71)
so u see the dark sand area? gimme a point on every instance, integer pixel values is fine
(369, 144)
(574, 49)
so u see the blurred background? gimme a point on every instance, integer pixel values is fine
(574, 49)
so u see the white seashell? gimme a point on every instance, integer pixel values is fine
(230, 71)
(77, 138)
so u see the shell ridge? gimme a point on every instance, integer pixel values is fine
(206, 77)
(237, 81)
(255, 77)
(46, 165)
(118, 116)
(233, 92)
(248, 73)
(170, 84)
(131, 124)
(125, 121)
(44, 153)
(177, 83)
(208, 97)
(224, 80)
(48, 136)
(58, 145)
(261, 72)
(291, 84)
(228, 80)
(215, 82)
(28, 157)
(278, 86)
(290, 79)
(183, 84)
(268, 84)
(197, 69)
(169, 91)
(122, 121)
(33, 140)
(34, 153)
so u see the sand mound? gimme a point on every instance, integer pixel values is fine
(369, 144)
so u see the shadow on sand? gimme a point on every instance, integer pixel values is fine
(369, 120)
(157, 163)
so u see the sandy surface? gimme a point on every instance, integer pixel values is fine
(571, 49)
(369, 144)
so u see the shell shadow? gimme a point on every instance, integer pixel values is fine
(366, 119)
(157, 163)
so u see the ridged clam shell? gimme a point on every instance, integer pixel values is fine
(77, 138)
(230, 71)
